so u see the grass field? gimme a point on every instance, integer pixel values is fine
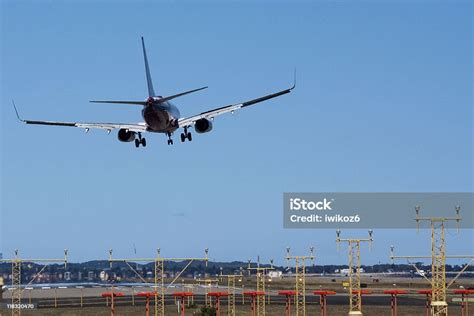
(241, 310)
(376, 304)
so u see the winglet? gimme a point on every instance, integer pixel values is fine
(294, 81)
(16, 112)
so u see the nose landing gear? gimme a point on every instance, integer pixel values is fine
(170, 141)
(186, 135)
(140, 141)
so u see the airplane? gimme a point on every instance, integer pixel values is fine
(159, 114)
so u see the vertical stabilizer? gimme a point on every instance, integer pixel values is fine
(151, 92)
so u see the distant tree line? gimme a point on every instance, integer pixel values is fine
(90, 271)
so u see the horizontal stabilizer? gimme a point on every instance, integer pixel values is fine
(156, 100)
(121, 102)
(165, 99)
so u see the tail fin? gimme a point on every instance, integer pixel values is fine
(151, 92)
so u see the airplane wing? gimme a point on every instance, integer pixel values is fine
(188, 121)
(134, 127)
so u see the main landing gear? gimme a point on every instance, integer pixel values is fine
(186, 135)
(170, 141)
(140, 140)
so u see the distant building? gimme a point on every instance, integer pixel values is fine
(106, 275)
(275, 274)
(90, 276)
(346, 271)
(45, 277)
(103, 276)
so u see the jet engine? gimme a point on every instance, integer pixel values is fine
(125, 135)
(203, 126)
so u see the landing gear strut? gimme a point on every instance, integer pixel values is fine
(140, 140)
(170, 141)
(186, 135)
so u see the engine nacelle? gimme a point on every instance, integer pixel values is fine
(203, 126)
(125, 135)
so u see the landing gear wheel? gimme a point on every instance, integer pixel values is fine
(189, 136)
(137, 143)
(183, 137)
(143, 141)
(170, 141)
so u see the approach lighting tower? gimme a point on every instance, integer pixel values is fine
(300, 272)
(231, 290)
(355, 302)
(439, 305)
(261, 274)
(208, 288)
(159, 261)
(16, 276)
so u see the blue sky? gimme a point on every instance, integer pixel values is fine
(383, 103)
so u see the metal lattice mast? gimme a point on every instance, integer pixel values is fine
(159, 286)
(261, 274)
(300, 284)
(230, 290)
(16, 283)
(16, 277)
(300, 287)
(207, 288)
(355, 302)
(354, 277)
(159, 289)
(438, 269)
(439, 305)
(231, 297)
(261, 288)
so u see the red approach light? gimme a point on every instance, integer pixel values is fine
(182, 294)
(287, 292)
(324, 293)
(362, 292)
(322, 300)
(464, 291)
(110, 294)
(147, 294)
(427, 292)
(218, 294)
(254, 293)
(395, 292)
